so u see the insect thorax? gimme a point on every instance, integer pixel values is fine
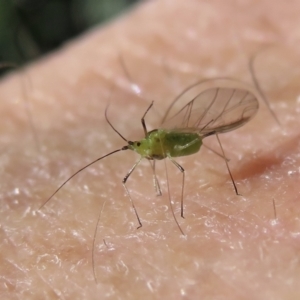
(161, 143)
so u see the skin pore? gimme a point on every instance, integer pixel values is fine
(234, 246)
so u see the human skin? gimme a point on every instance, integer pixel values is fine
(235, 247)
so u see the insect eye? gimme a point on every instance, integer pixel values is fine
(138, 144)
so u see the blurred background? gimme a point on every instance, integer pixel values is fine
(31, 28)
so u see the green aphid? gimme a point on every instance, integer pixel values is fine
(207, 108)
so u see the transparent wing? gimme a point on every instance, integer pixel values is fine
(207, 108)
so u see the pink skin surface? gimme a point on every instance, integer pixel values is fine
(235, 246)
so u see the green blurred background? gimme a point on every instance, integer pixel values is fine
(30, 28)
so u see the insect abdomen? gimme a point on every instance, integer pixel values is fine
(181, 143)
(161, 143)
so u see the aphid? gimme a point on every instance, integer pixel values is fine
(209, 111)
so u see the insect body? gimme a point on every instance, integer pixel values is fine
(161, 143)
(209, 111)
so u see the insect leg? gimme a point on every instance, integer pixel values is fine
(170, 202)
(155, 180)
(234, 185)
(181, 169)
(143, 119)
(215, 152)
(127, 191)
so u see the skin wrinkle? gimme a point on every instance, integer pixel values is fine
(70, 92)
